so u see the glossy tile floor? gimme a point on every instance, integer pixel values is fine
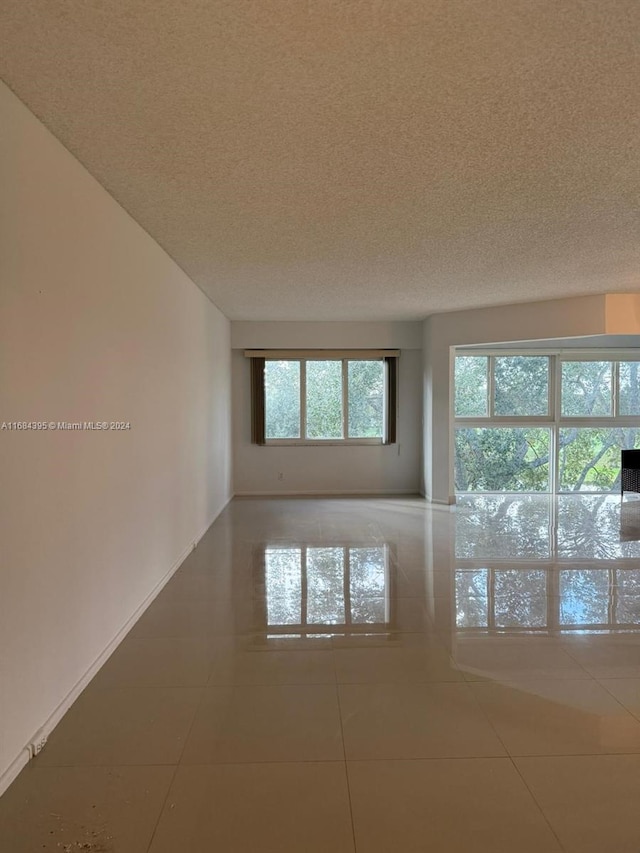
(368, 675)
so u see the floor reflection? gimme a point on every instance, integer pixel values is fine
(538, 565)
(630, 520)
(550, 598)
(541, 527)
(325, 590)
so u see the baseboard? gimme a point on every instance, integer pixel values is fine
(330, 493)
(25, 754)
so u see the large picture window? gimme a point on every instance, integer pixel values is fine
(324, 397)
(544, 422)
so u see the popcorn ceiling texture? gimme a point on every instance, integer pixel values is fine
(354, 159)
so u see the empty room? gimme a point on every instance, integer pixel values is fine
(319, 426)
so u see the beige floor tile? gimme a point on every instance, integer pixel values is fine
(76, 809)
(257, 808)
(555, 717)
(626, 691)
(277, 667)
(414, 721)
(501, 659)
(132, 725)
(590, 801)
(271, 698)
(607, 657)
(266, 723)
(197, 619)
(409, 615)
(157, 662)
(445, 806)
(413, 586)
(190, 586)
(402, 664)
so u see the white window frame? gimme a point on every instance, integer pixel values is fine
(328, 442)
(554, 420)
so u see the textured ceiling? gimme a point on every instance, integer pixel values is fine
(354, 159)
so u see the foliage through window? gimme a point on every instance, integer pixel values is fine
(546, 422)
(512, 459)
(325, 399)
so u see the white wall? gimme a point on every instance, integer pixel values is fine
(362, 469)
(96, 323)
(559, 318)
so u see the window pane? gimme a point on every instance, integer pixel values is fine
(368, 573)
(283, 579)
(584, 597)
(586, 388)
(589, 459)
(325, 586)
(521, 385)
(628, 606)
(471, 386)
(472, 598)
(630, 387)
(502, 459)
(367, 585)
(282, 399)
(520, 598)
(366, 398)
(324, 399)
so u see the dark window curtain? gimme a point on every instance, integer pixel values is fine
(257, 401)
(391, 426)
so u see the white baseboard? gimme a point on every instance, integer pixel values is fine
(22, 759)
(311, 493)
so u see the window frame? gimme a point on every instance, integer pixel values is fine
(389, 359)
(554, 420)
(507, 420)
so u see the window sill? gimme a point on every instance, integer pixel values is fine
(329, 442)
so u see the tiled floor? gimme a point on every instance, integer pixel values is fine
(368, 675)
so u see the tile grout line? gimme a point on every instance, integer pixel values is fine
(346, 768)
(175, 771)
(634, 714)
(517, 770)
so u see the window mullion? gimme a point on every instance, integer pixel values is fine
(303, 398)
(491, 601)
(345, 399)
(491, 386)
(303, 585)
(554, 479)
(346, 585)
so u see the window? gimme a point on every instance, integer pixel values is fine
(502, 386)
(324, 397)
(502, 459)
(552, 422)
